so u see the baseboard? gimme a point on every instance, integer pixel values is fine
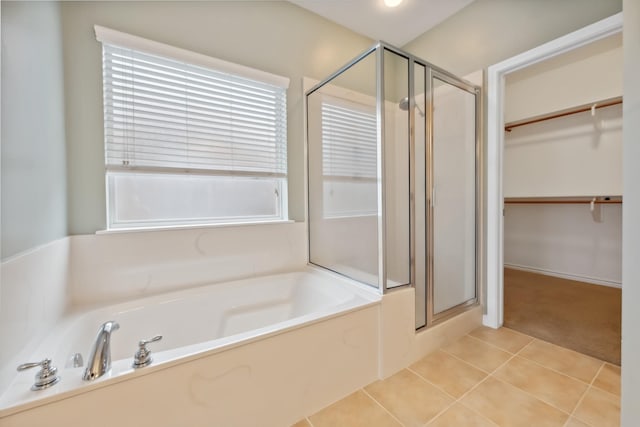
(586, 279)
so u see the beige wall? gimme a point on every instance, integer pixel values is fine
(33, 136)
(274, 36)
(566, 241)
(277, 37)
(575, 155)
(489, 31)
(589, 74)
(631, 213)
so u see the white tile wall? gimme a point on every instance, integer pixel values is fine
(33, 295)
(115, 267)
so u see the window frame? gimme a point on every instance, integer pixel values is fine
(149, 47)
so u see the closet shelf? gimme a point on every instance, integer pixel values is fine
(564, 200)
(561, 113)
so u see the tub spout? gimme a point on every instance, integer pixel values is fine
(99, 361)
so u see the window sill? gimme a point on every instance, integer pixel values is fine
(192, 227)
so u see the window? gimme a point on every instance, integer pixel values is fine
(190, 139)
(349, 158)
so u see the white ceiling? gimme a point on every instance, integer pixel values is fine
(398, 25)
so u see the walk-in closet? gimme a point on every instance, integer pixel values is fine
(562, 183)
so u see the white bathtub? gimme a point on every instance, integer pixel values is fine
(195, 324)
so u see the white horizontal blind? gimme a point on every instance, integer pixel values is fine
(160, 113)
(349, 141)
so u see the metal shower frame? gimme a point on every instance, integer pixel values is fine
(431, 72)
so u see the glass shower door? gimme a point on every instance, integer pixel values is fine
(453, 195)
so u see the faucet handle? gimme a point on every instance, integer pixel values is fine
(45, 377)
(143, 343)
(142, 357)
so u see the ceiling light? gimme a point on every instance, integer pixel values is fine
(392, 3)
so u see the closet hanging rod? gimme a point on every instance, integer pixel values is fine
(564, 200)
(569, 111)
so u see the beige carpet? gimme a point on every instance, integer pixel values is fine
(576, 315)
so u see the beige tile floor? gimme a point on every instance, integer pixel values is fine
(488, 378)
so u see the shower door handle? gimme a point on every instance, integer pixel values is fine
(433, 196)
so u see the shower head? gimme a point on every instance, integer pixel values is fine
(404, 105)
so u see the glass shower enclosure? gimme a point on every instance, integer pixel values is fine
(393, 158)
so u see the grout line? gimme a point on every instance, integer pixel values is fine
(309, 421)
(531, 394)
(569, 350)
(491, 344)
(480, 415)
(525, 346)
(489, 375)
(517, 332)
(510, 330)
(308, 417)
(459, 399)
(465, 394)
(597, 373)
(435, 417)
(616, 396)
(455, 399)
(608, 394)
(446, 408)
(511, 356)
(465, 361)
(433, 384)
(468, 363)
(560, 372)
(453, 402)
(585, 393)
(383, 407)
(535, 362)
(503, 364)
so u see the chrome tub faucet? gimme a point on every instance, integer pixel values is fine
(99, 361)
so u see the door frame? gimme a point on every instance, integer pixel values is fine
(494, 313)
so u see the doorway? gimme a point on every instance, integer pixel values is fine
(496, 75)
